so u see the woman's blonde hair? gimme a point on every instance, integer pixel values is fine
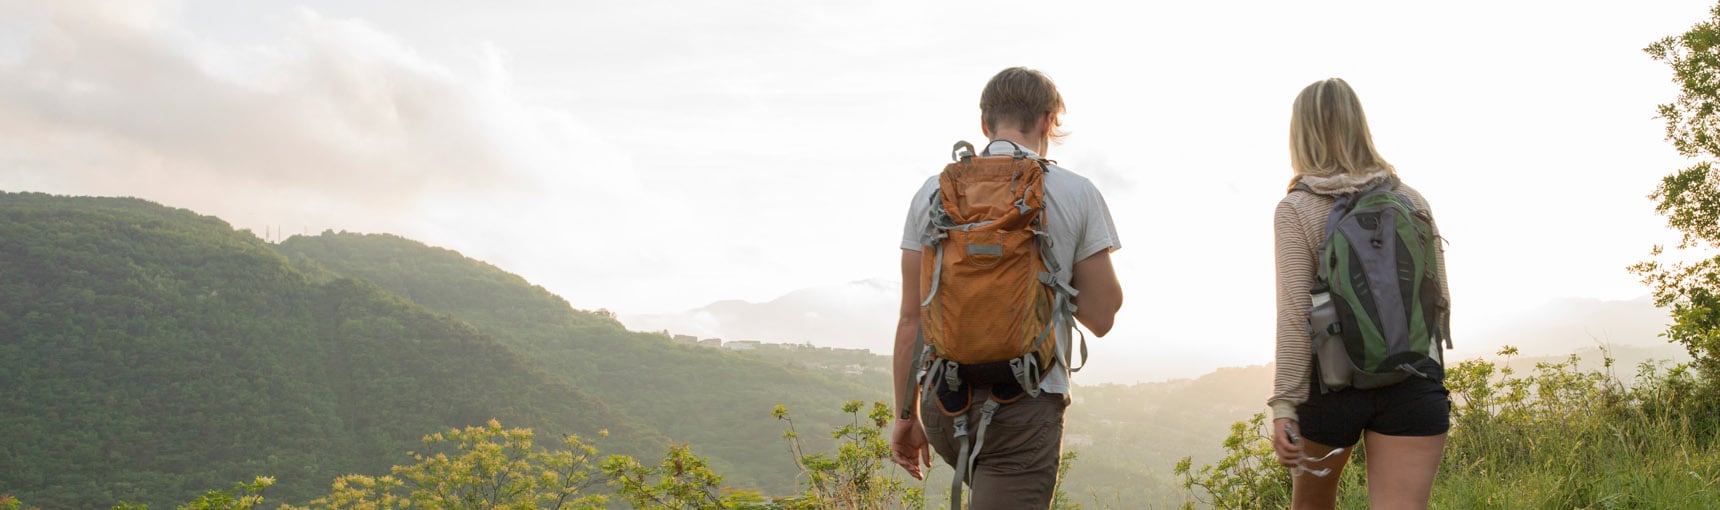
(1022, 96)
(1329, 134)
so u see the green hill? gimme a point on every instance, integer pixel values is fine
(719, 401)
(149, 353)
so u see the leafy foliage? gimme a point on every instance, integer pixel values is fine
(244, 496)
(1247, 477)
(1060, 499)
(682, 481)
(7, 502)
(479, 467)
(1690, 198)
(1557, 437)
(861, 474)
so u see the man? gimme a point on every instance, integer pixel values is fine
(1017, 464)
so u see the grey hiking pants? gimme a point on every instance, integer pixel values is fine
(1017, 466)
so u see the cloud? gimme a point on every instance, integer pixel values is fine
(340, 107)
(335, 124)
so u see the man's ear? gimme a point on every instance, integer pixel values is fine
(983, 128)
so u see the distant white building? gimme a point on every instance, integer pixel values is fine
(711, 342)
(686, 339)
(742, 345)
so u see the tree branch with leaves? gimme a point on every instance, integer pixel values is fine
(1690, 198)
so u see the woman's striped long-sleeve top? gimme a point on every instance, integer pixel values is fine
(1299, 226)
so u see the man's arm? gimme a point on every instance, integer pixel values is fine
(1100, 295)
(907, 331)
(907, 439)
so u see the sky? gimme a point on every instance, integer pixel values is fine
(655, 157)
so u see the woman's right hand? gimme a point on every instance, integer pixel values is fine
(1289, 452)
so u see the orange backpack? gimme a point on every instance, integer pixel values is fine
(991, 305)
(985, 294)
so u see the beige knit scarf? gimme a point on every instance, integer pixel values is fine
(1338, 184)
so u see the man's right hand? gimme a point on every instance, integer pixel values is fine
(908, 447)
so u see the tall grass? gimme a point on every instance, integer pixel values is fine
(1559, 437)
(1554, 437)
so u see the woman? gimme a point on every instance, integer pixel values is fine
(1332, 155)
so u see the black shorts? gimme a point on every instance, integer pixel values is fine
(1416, 407)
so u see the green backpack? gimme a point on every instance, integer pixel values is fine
(1378, 312)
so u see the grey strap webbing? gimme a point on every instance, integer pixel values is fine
(952, 375)
(1341, 206)
(961, 463)
(907, 402)
(1077, 368)
(956, 153)
(969, 453)
(1026, 371)
(937, 274)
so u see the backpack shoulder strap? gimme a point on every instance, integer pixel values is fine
(1341, 206)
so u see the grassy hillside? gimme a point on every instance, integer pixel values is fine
(718, 401)
(149, 353)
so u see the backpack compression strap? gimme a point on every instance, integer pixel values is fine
(1063, 305)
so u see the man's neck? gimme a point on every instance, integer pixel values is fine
(1021, 140)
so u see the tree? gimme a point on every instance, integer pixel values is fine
(1247, 477)
(1690, 198)
(489, 467)
(682, 481)
(860, 474)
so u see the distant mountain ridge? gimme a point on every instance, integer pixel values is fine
(856, 315)
(1565, 325)
(861, 314)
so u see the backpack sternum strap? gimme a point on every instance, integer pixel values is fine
(1051, 280)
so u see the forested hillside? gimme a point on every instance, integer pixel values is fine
(719, 401)
(149, 353)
